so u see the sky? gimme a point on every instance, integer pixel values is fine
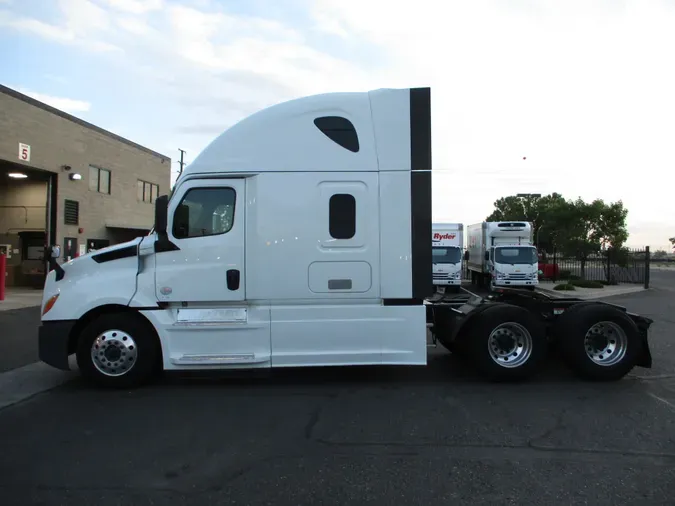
(528, 96)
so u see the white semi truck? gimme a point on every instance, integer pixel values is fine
(447, 248)
(300, 237)
(501, 254)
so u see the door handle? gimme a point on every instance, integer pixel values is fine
(233, 277)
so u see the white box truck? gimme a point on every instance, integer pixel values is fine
(501, 254)
(447, 250)
(300, 237)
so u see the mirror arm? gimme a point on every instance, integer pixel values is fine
(54, 265)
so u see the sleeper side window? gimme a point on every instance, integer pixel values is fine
(340, 130)
(342, 216)
(204, 212)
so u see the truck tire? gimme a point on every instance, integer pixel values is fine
(597, 341)
(118, 350)
(506, 343)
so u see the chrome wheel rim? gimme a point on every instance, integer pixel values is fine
(606, 343)
(510, 345)
(114, 353)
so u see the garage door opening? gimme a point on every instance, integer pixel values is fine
(27, 222)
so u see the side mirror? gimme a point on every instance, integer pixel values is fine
(161, 214)
(487, 255)
(466, 256)
(181, 222)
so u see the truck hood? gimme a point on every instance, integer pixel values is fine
(86, 264)
(97, 278)
(114, 247)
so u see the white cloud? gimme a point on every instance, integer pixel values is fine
(62, 33)
(580, 88)
(68, 105)
(135, 6)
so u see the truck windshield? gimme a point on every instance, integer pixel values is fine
(516, 255)
(446, 255)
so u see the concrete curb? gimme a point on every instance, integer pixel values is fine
(9, 306)
(25, 382)
(591, 296)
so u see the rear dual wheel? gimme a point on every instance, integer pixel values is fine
(506, 343)
(597, 341)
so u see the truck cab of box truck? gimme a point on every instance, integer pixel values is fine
(501, 254)
(447, 249)
(511, 256)
(293, 239)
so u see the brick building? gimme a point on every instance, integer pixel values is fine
(65, 181)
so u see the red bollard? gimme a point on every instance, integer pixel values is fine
(3, 275)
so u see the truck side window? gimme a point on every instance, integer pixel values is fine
(203, 212)
(340, 130)
(342, 216)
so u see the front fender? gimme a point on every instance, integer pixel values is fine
(87, 285)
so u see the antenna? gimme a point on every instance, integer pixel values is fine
(181, 162)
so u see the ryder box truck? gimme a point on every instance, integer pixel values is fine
(300, 237)
(447, 247)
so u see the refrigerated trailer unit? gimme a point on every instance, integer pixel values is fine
(300, 237)
(502, 254)
(447, 249)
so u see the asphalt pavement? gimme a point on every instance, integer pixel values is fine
(427, 435)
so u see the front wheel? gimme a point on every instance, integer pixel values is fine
(507, 343)
(118, 350)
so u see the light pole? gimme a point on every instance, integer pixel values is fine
(539, 230)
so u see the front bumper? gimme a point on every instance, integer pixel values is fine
(515, 282)
(54, 343)
(447, 282)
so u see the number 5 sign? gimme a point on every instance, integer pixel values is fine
(24, 152)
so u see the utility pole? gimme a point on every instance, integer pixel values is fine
(181, 163)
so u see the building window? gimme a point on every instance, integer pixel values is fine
(203, 212)
(339, 130)
(342, 216)
(71, 212)
(147, 192)
(99, 180)
(96, 244)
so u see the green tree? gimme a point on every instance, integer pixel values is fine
(573, 227)
(545, 213)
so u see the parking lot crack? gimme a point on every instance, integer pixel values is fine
(313, 421)
(558, 424)
(525, 449)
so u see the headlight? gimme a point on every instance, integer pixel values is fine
(499, 275)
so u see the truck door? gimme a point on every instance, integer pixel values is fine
(206, 224)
